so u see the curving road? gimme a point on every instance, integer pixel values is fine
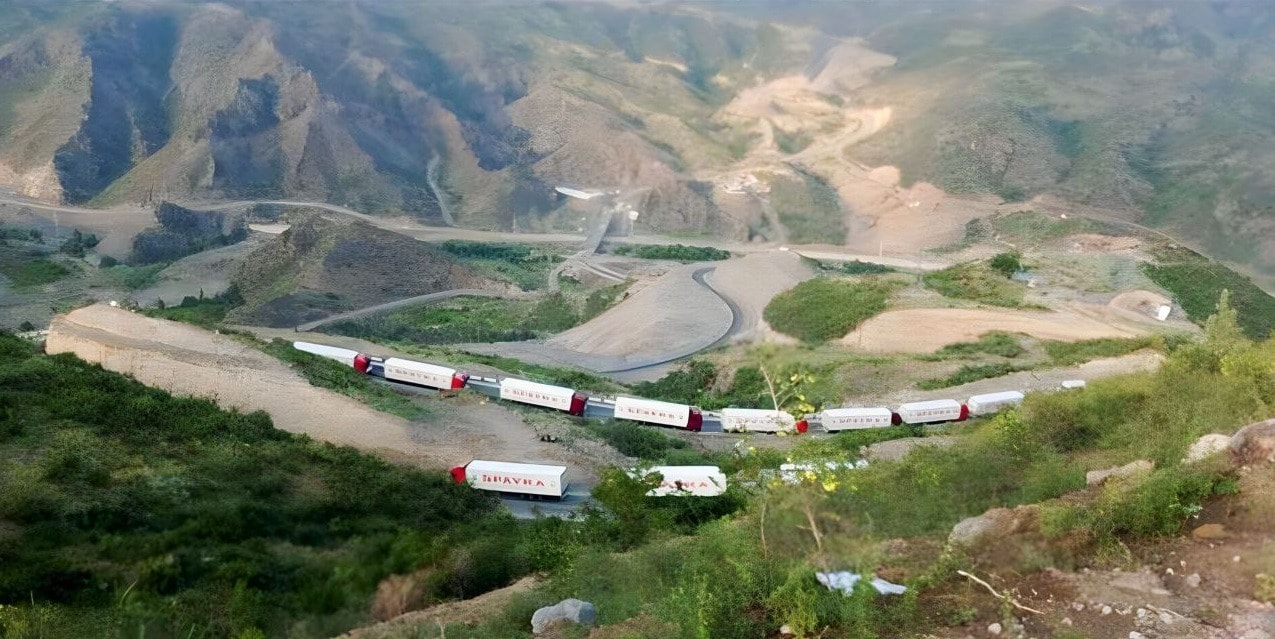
(419, 299)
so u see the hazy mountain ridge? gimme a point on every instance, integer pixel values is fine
(1153, 111)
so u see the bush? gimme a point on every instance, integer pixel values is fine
(968, 373)
(821, 309)
(107, 262)
(643, 442)
(1006, 263)
(1072, 353)
(677, 252)
(993, 343)
(976, 281)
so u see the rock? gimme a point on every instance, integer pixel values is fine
(1133, 634)
(1066, 621)
(1193, 580)
(572, 610)
(1210, 531)
(994, 525)
(1096, 477)
(994, 629)
(1254, 444)
(1207, 446)
(1106, 610)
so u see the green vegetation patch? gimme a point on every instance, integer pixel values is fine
(524, 265)
(207, 312)
(976, 281)
(156, 515)
(969, 373)
(1035, 227)
(679, 252)
(1072, 353)
(995, 343)
(1196, 282)
(133, 278)
(808, 208)
(645, 443)
(480, 319)
(34, 272)
(821, 309)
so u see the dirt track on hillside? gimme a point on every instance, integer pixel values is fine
(926, 330)
(190, 361)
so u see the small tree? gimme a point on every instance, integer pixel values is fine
(1007, 263)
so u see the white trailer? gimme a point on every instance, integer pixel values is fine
(933, 411)
(512, 478)
(835, 419)
(525, 392)
(693, 481)
(992, 402)
(354, 359)
(423, 374)
(657, 412)
(756, 420)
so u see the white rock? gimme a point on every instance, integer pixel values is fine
(1166, 618)
(785, 629)
(1207, 446)
(1136, 635)
(1193, 580)
(1066, 621)
(1078, 607)
(1106, 610)
(995, 628)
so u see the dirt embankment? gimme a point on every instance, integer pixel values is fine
(186, 360)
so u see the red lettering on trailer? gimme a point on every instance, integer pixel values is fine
(518, 481)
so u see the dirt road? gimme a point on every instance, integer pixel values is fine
(186, 360)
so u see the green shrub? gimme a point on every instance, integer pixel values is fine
(821, 309)
(968, 373)
(643, 442)
(1072, 353)
(33, 273)
(677, 252)
(1006, 263)
(976, 281)
(855, 267)
(993, 343)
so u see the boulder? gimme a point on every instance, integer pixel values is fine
(1207, 446)
(1096, 477)
(567, 610)
(994, 525)
(1254, 444)
(1209, 532)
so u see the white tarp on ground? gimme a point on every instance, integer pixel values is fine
(845, 581)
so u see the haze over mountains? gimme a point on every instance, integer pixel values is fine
(742, 120)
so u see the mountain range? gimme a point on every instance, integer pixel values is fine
(785, 121)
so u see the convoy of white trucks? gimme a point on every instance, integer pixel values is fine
(549, 482)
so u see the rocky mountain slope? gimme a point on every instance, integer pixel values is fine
(801, 122)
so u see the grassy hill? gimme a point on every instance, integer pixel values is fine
(324, 265)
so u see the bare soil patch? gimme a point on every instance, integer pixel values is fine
(469, 611)
(186, 360)
(929, 329)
